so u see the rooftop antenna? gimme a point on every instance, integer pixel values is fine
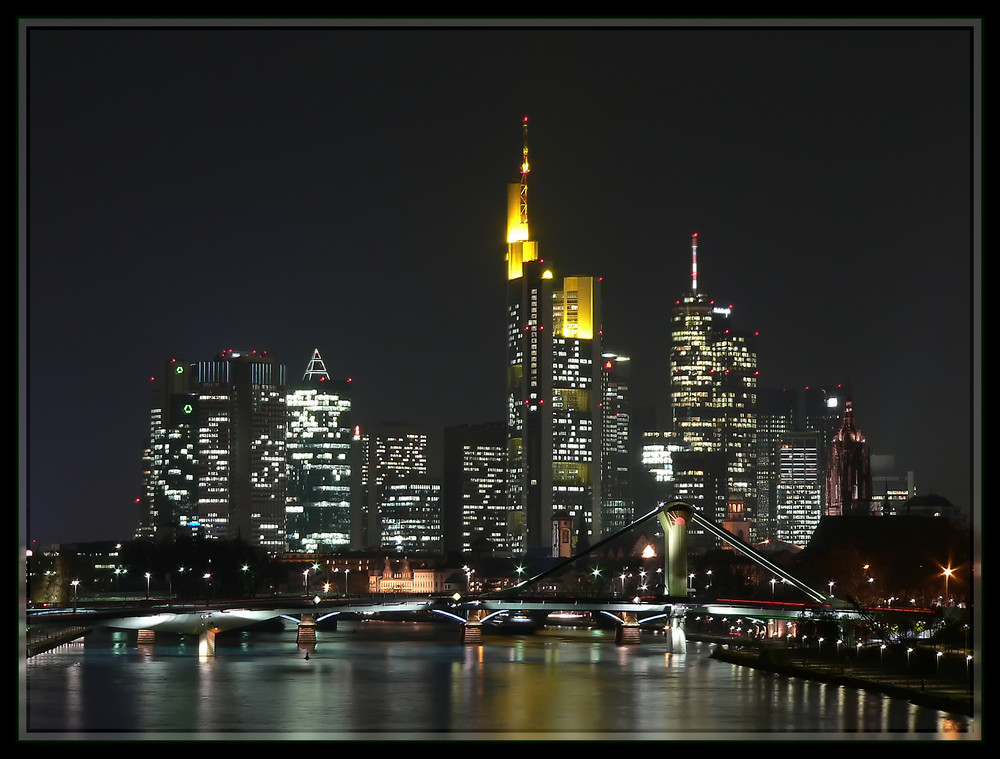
(524, 172)
(694, 263)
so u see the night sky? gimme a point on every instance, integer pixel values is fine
(192, 189)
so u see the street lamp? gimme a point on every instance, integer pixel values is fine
(75, 584)
(148, 575)
(773, 580)
(246, 568)
(947, 576)
(346, 572)
(305, 580)
(831, 584)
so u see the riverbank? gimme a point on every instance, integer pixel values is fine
(948, 696)
(45, 640)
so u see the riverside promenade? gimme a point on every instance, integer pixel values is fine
(922, 674)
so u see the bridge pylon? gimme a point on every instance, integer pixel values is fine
(674, 518)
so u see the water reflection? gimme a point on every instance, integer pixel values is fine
(368, 680)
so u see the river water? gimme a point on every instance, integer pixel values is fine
(371, 680)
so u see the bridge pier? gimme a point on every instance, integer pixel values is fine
(206, 643)
(472, 628)
(627, 633)
(307, 629)
(676, 637)
(145, 637)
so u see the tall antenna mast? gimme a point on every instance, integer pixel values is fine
(524, 173)
(694, 263)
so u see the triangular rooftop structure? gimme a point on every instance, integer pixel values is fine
(316, 368)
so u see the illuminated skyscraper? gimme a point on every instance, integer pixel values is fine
(800, 486)
(616, 485)
(171, 463)
(657, 459)
(241, 448)
(553, 389)
(217, 431)
(776, 416)
(475, 494)
(824, 410)
(318, 450)
(393, 471)
(713, 398)
(410, 515)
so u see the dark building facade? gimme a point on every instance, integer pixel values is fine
(848, 470)
(474, 492)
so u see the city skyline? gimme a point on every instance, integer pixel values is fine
(191, 190)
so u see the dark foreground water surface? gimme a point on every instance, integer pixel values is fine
(392, 680)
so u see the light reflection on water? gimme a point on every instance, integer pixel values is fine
(392, 680)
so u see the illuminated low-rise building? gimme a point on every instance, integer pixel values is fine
(403, 575)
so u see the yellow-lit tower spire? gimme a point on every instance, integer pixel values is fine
(519, 247)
